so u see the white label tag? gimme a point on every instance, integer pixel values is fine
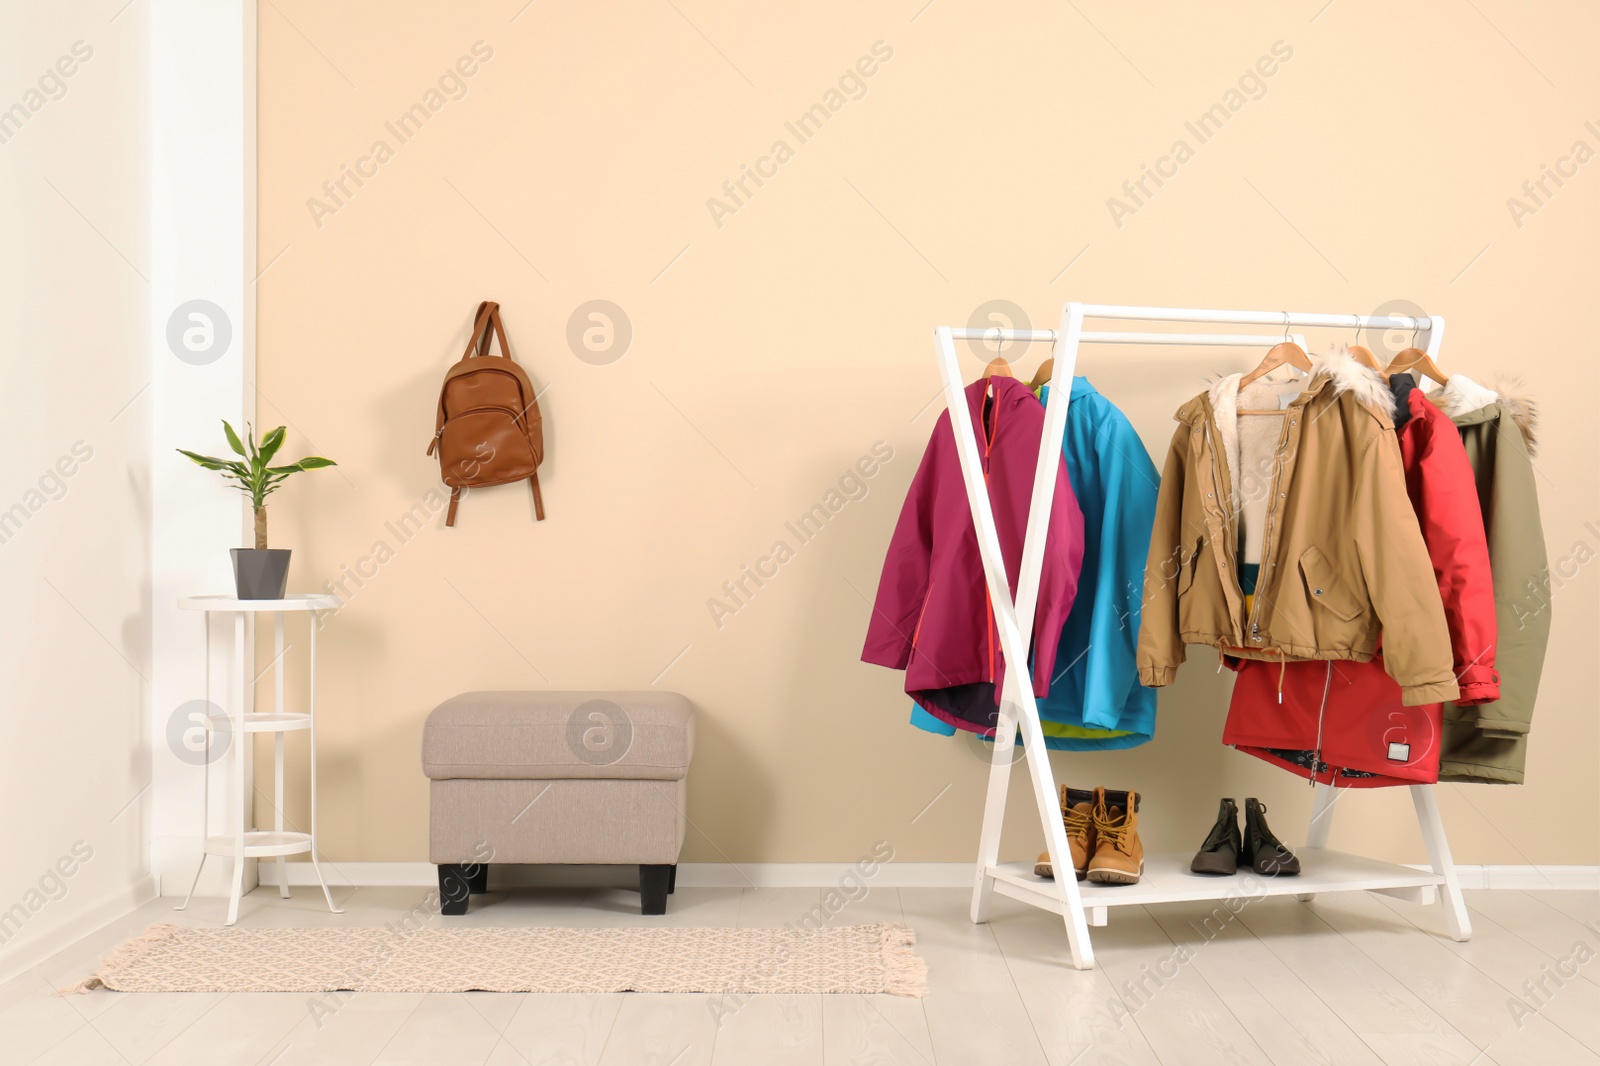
(1399, 752)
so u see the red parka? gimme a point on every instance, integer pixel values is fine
(932, 617)
(1347, 718)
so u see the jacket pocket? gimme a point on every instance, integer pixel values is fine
(1188, 559)
(1326, 588)
(1190, 607)
(1187, 566)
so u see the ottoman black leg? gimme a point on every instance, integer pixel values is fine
(653, 888)
(477, 877)
(672, 879)
(454, 888)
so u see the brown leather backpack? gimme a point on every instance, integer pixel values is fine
(488, 430)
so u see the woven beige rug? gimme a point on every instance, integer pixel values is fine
(848, 959)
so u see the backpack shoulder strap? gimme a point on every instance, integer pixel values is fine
(488, 316)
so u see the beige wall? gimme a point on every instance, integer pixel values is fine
(775, 343)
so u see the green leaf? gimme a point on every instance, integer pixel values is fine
(233, 439)
(270, 445)
(310, 462)
(207, 461)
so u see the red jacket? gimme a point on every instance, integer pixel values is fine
(1351, 716)
(1444, 493)
(933, 617)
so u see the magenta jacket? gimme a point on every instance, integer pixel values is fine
(932, 617)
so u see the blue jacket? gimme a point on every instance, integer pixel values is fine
(1095, 700)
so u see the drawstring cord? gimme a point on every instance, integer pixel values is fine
(1283, 666)
(1316, 756)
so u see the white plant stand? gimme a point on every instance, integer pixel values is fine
(1167, 878)
(238, 841)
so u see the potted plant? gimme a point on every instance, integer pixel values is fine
(259, 573)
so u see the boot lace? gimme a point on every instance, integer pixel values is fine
(1113, 829)
(1265, 835)
(1077, 821)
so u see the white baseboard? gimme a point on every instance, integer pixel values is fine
(817, 875)
(1576, 878)
(43, 938)
(690, 874)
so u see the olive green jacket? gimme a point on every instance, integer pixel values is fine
(1489, 742)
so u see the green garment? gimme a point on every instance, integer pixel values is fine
(1489, 743)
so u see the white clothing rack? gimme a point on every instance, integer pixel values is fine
(1167, 878)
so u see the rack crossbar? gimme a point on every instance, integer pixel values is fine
(1028, 336)
(1256, 318)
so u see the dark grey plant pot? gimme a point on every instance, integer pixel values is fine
(260, 573)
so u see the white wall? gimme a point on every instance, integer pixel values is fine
(74, 469)
(201, 332)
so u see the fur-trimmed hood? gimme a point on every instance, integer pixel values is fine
(1336, 368)
(1461, 396)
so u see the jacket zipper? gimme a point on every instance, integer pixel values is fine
(989, 433)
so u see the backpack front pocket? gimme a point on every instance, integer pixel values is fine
(484, 447)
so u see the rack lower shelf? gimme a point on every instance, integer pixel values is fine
(260, 844)
(1167, 879)
(261, 722)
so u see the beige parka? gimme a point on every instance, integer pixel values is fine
(1342, 555)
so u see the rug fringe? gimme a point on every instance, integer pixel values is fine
(126, 952)
(905, 973)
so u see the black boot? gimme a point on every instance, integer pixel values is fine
(1263, 852)
(1220, 853)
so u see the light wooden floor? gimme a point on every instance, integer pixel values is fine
(1345, 980)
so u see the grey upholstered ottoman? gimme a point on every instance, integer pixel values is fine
(557, 777)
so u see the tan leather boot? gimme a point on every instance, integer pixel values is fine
(1077, 811)
(1118, 852)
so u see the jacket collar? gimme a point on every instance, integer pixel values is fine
(1335, 372)
(1465, 401)
(1008, 392)
(1461, 394)
(1404, 387)
(1344, 374)
(1080, 387)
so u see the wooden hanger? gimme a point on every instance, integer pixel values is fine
(1362, 354)
(1415, 359)
(1043, 375)
(1288, 353)
(1285, 352)
(998, 368)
